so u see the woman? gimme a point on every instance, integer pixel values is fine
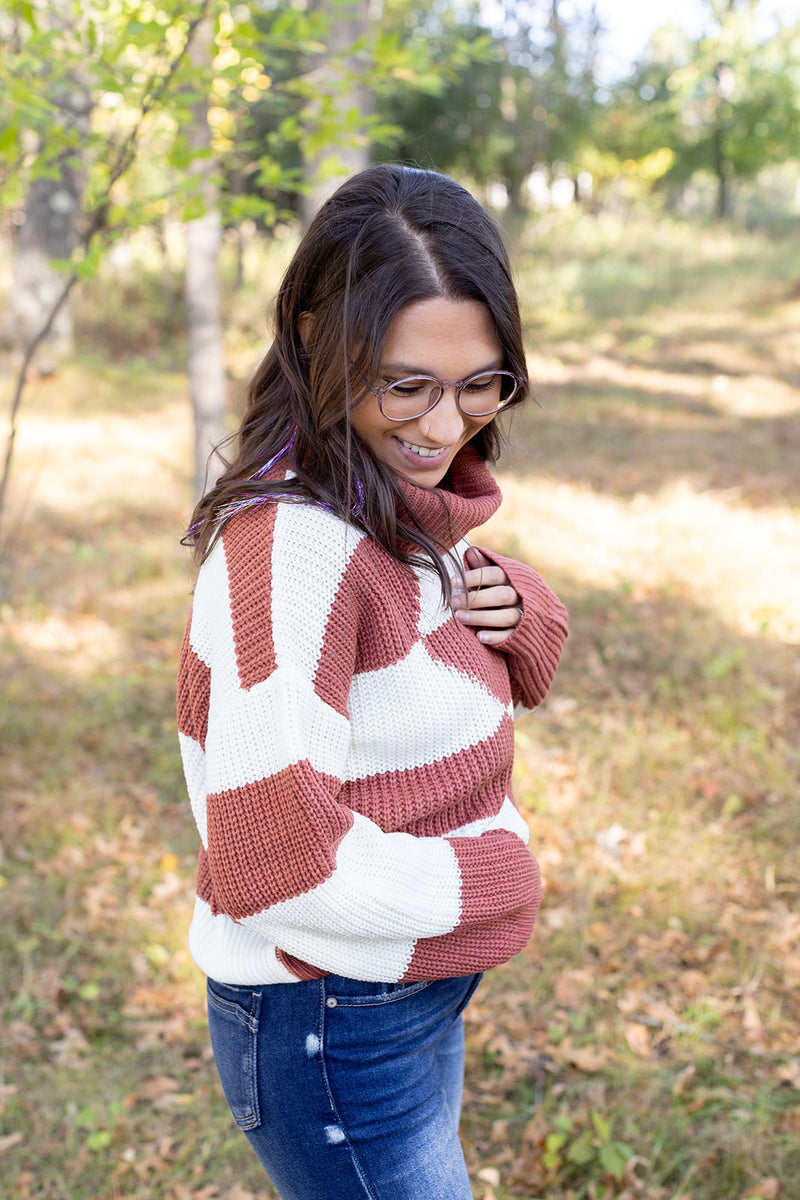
(347, 685)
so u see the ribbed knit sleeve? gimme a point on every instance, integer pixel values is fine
(331, 842)
(534, 648)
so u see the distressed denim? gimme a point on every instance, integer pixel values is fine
(345, 1089)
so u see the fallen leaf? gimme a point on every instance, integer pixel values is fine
(174, 1100)
(767, 1189)
(555, 918)
(585, 1058)
(23, 1035)
(158, 1085)
(752, 1020)
(638, 1038)
(789, 1073)
(570, 986)
(611, 839)
(490, 1175)
(684, 1078)
(11, 1139)
(693, 982)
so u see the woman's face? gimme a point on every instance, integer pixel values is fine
(448, 339)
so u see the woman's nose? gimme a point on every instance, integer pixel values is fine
(444, 424)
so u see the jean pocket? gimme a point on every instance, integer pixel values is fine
(233, 1023)
(354, 993)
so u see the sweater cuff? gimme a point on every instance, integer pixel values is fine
(534, 648)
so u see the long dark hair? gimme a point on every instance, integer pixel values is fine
(389, 236)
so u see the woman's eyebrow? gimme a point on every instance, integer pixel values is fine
(405, 369)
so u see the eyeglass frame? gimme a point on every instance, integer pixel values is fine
(443, 385)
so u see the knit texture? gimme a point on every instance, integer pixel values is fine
(347, 745)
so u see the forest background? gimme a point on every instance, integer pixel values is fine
(157, 162)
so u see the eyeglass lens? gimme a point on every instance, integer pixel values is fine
(481, 395)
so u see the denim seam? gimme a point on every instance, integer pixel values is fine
(235, 1010)
(476, 980)
(368, 1192)
(391, 998)
(255, 1025)
(251, 1022)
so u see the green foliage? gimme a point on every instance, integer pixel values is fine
(84, 86)
(301, 115)
(499, 100)
(727, 103)
(110, 90)
(588, 1147)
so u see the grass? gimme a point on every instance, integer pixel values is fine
(645, 1044)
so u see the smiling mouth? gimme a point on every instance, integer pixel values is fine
(422, 451)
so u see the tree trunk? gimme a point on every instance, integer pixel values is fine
(722, 173)
(206, 351)
(48, 231)
(339, 72)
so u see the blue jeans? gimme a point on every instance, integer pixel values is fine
(345, 1089)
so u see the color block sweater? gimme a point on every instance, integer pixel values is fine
(347, 745)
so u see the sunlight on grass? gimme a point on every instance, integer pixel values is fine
(713, 548)
(107, 460)
(612, 275)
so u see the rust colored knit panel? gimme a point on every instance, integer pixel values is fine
(348, 746)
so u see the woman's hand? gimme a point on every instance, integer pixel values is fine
(490, 603)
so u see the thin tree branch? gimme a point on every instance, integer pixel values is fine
(127, 150)
(30, 350)
(157, 87)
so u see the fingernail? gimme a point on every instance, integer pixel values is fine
(463, 616)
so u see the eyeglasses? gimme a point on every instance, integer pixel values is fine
(480, 395)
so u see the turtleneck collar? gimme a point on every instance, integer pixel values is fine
(467, 498)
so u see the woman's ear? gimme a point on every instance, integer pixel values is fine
(305, 324)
